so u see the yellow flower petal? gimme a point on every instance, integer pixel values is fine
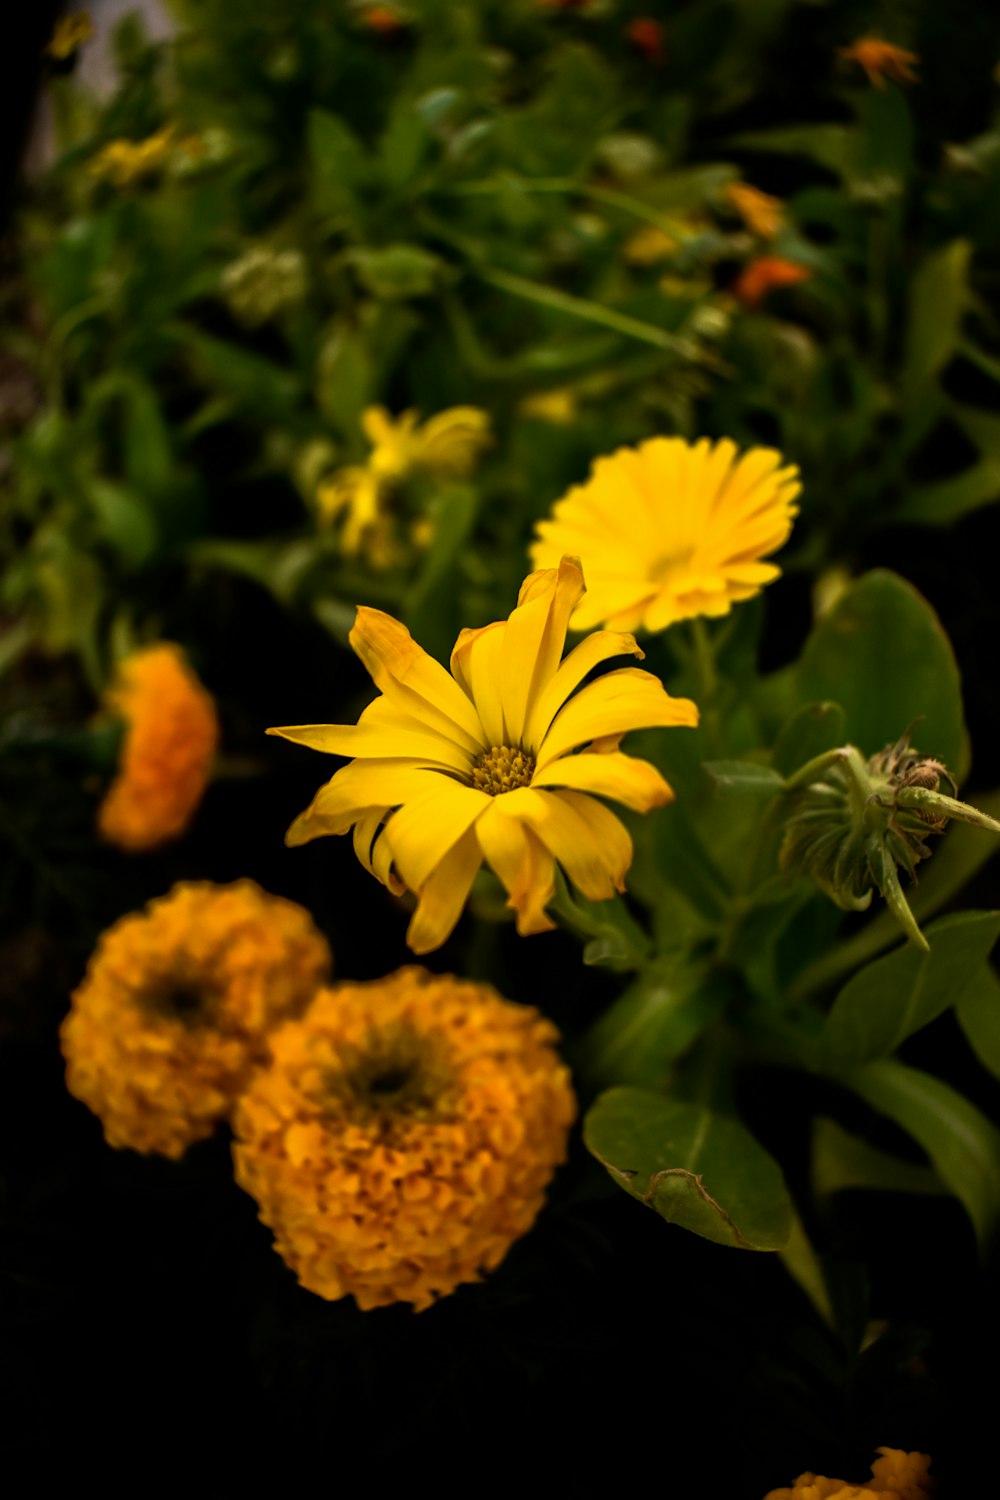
(355, 790)
(636, 783)
(534, 639)
(627, 699)
(587, 839)
(443, 894)
(374, 853)
(523, 864)
(429, 824)
(475, 665)
(381, 732)
(413, 681)
(603, 645)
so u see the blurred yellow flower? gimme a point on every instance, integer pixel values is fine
(895, 1476)
(670, 530)
(762, 214)
(70, 34)
(446, 446)
(403, 1136)
(881, 60)
(171, 735)
(452, 769)
(559, 407)
(173, 1013)
(122, 162)
(648, 245)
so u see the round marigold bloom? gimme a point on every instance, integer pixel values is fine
(404, 1135)
(173, 1013)
(670, 530)
(768, 273)
(171, 736)
(897, 1475)
(762, 214)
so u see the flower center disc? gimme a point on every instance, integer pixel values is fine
(502, 768)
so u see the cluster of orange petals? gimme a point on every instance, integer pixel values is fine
(896, 1475)
(403, 1136)
(766, 274)
(881, 60)
(174, 1011)
(171, 736)
(647, 36)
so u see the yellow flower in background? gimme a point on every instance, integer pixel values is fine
(762, 214)
(649, 245)
(403, 1136)
(171, 736)
(446, 446)
(670, 530)
(122, 162)
(481, 763)
(70, 34)
(173, 1014)
(881, 60)
(895, 1476)
(558, 408)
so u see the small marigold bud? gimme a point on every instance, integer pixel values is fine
(404, 1136)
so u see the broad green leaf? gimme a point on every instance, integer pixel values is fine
(938, 296)
(696, 1168)
(962, 1144)
(340, 164)
(881, 653)
(833, 146)
(903, 991)
(344, 377)
(123, 520)
(804, 1266)
(810, 731)
(978, 1014)
(746, 777)
(841, 1160)
(655, 1021)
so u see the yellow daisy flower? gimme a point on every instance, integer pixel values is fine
(895, 1476)
(171, 736)
(403, 1136)
(762, 214)
(123, 162)
(70, 34)
(481, 764)
(445, 446)
(173, 1014)
(670, 530)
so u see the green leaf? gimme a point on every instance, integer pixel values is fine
(396, 272)
(345, 378)
(833, 146)
(123, 520)
(656, 1020)
(938, 296)
(978, 1013)
(962, 1144)
(881, 653)
(812, 730)
(947, 501)
(258, 383)
(804, 1266)
(746, 777)
(696, 1168)
(841, 1161)
(903, 991)
(340, 164)
(431, 602)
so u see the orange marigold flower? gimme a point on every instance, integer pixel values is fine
(403, 1136)
(382, 18)
(765, 274)
(171, 736)
(881, 60)
(173, 1013)
(762, 214)
(647, 36)
(895, 1476)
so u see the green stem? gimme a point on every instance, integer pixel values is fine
(565, 185)
(586, 311)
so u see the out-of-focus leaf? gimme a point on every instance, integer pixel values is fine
(340, 164)
(946, 502)
(655, 1021)
(938, 295)
(344, 377)
(903, 991)
(124, 520)
(841, 1161)
(261, 385)
(881, 653)
(962, 1144)
(812, 730)
(429, 606)
(833, 146)
(978, 1013)
(278, 566)
(397, 271)
(696, 1168)
(803, 1265)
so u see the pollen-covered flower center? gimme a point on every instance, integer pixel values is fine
(502, 768)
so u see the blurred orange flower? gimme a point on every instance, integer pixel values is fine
(897, 1475)
(881, 60)
(647, 36)
(766, 274)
